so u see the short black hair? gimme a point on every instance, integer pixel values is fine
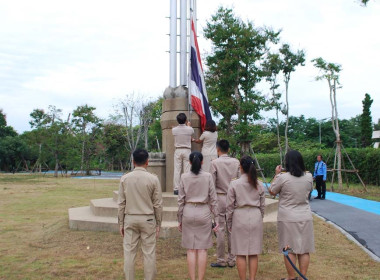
(140, 156)
(320, 156)
(210, 126)
(181, 118)
(223, 145)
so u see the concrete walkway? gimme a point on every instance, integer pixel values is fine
(359, 217)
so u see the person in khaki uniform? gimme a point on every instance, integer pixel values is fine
(208, 140)
(139, 216)
(294, 219)
(196, 201)
(223, 169)
(182, 142)
(245, 213)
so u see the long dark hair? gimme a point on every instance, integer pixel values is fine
(294, 163)
(248, 165)
(196, 162)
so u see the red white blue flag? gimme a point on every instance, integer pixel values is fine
(197, 86)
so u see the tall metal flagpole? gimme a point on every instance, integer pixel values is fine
(189, 65)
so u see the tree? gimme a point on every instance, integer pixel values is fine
(366, 121)
(330, 72)
(234, 69)
(290, 60)
(14, 152)
(5, 130)
(364, 2)
(130, 111)
(83, 118)
(272, 67)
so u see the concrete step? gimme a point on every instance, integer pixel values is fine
(168, 199)
(107, 207)
(271, 206)
(82, 218)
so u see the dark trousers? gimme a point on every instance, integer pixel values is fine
(321, 186)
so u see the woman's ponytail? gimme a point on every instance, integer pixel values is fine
(196, 159)
(248, 165)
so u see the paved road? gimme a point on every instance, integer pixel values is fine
(364, 226)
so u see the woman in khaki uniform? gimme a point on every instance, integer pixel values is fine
(294, 220)
(245, 212)
(196, 200)
(208, 138)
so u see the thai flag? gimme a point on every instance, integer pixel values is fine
(197, 86)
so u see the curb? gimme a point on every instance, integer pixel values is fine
(349, 237)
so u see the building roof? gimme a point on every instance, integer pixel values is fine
(376, 134)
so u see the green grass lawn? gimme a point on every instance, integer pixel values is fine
(372, 193)
(36, 243)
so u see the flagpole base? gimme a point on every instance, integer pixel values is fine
(175, 102)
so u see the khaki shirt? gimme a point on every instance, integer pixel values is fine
(223, 170)
(197, 189)
(209, 143)
(182, 136)
(293, 205)
(140, 194)
(242, 194)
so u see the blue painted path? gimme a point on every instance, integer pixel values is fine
(359, 203)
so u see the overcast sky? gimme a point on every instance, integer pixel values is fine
(69, 53)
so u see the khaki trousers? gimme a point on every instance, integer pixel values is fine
(139, 229)
(181, 160)
(220, 240)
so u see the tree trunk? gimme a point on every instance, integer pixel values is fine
(39, 158)
(278, 136)
(245, 147)
(56, 165)
(146, 138)
(287, 116)
(82, 159)
(338, 141)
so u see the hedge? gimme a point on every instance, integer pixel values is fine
(367, 161)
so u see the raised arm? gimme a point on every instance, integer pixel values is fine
(276, 186)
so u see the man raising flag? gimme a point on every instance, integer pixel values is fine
(197, 88)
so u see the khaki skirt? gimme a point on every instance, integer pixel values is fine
(298, 235)
(196, 226)
(247, 231)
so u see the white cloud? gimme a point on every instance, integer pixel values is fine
(68, 53)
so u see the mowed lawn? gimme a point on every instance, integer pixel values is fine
(36, 243)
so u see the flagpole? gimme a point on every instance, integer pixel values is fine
(189, 64)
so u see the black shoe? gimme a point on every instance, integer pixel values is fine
(317, 197)
(218, 265)
(231, 265)
(175, 192)
(323, 198)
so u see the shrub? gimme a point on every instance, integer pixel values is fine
(367, 161)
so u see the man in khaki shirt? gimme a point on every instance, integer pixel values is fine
(223, 169)
(182, 142)
(139, 216)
